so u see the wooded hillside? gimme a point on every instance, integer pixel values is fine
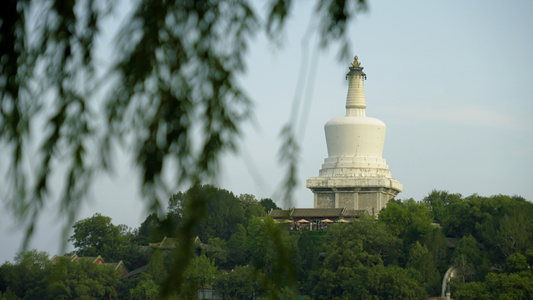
(241, 251)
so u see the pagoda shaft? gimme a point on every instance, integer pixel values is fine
(355, 99)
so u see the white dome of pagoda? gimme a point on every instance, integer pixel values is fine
(355, 142)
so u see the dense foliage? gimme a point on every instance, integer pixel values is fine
(405, 253)
(33, 276)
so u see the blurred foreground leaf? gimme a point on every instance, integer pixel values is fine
(175, 102)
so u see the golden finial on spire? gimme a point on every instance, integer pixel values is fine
(355, 63)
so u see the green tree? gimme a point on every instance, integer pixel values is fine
(483, 218)
(529, 257)
(218, 251)
(147, 285)
(80, 279)
(438, 201)
(389, 282)
(257, 243)
(150, 230)
(377, 240)
(497, 286)
(466, 257)
(199, 274)
(449, 210)
(309, 255)
(342, 265)
(268, 204)
(498, 223)
(354, 254)
(240, 281)
(435, 241)
(289, 293)
(145, 289)
(156, 267)
(271, 254)
(8, 295)
(223, 212)
(98, 236)
(421, 260)
(510, 286)
(513, 233)
(237, 251)
(470, 290)
(516, 263)
(252, 207)
(355, 282)
(409, 219)
(25, 274)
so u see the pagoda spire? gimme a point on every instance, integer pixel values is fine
(355, 100)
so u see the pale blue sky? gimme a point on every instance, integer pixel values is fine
(452, 80)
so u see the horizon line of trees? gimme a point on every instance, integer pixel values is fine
(400, 254)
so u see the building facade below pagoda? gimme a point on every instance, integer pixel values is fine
(354, 175)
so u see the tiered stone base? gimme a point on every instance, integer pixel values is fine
(364, 193)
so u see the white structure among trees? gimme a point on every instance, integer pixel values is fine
(355, 175)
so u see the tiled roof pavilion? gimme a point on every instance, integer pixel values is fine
(96, 260)
(315, 213)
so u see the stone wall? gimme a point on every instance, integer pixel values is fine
(325, 199)
(346, 200)
(369, 199)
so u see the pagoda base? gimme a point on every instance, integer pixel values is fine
(367, 193)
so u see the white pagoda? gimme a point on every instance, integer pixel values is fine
(354, 176)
